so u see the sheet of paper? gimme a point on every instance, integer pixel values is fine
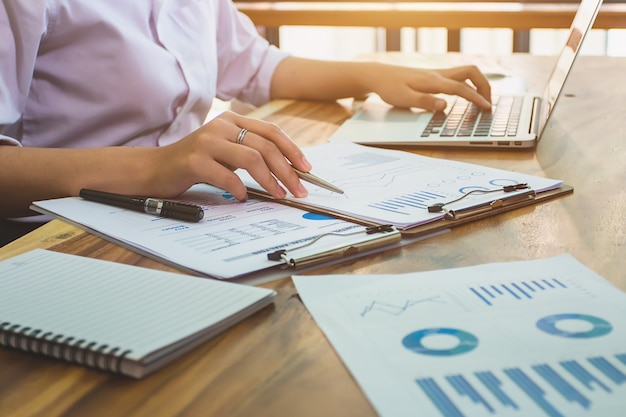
(535, 338)
(233, 238)
(395, 187)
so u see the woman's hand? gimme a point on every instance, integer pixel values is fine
(211, 154)
(208, 155)
(410, 87)
(307, 79)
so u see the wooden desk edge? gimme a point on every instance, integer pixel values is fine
(44, 237)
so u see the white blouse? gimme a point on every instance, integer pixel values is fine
(87, 73)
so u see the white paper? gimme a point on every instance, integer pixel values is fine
(233, 238)
(535, 338)
(395, 187)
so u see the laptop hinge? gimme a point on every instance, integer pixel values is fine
(534, 117)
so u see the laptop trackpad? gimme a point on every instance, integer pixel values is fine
(375, 123)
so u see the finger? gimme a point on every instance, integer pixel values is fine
(463, 89)
(481, 82)
(222, 177)
(476, 77)
(276, 162)
(256, 154)
(239, 156)
(277, 136)
(421, 100)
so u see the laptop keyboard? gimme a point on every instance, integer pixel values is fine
(466, 119)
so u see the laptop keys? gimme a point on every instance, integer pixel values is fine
(465, 119)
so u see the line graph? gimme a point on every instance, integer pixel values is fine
(397, 309)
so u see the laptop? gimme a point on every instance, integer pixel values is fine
(516, 120)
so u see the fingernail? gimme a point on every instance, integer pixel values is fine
(440, 105)
(302, 191)
(280, 192)
(306, 164)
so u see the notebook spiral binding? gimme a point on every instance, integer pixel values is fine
(58, 346)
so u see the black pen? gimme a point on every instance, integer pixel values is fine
(154, 206)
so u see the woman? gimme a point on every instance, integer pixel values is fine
(111, 95)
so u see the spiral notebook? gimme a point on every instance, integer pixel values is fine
(114, 317)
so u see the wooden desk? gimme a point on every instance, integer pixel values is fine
(278, 363)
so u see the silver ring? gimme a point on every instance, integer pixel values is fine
(241, 135)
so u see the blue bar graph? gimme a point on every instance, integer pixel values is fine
(513, 293)
(547, 283)
(496, 289)
(420, 200)
(534, 392)
(538, 285)
(561, 385)
(463, 387)
(518, 382)
(582, 375)
(608, 369)
(481, 296)
(439, 398)
(523, 290)
(493, 385)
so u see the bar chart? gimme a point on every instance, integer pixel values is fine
(579, 383)
(536, 338)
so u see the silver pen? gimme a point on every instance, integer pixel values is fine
(314, 179)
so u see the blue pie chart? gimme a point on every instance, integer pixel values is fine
(466, 341)
(315, 216)
(600, 327)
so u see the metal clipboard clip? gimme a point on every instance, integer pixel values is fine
(457, 214)
(389, 236)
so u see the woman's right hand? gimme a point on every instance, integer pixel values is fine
(211, 154)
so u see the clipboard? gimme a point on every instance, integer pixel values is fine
(388, 186)
(478, 213)
(459, 217)
(305, 243)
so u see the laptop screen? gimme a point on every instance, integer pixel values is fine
(583, 21)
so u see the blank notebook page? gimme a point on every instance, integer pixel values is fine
(133, 308)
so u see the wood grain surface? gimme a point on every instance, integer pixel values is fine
(277, 362)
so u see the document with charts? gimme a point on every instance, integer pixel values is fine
(232, 240)
(387, 186)
(537, 338)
